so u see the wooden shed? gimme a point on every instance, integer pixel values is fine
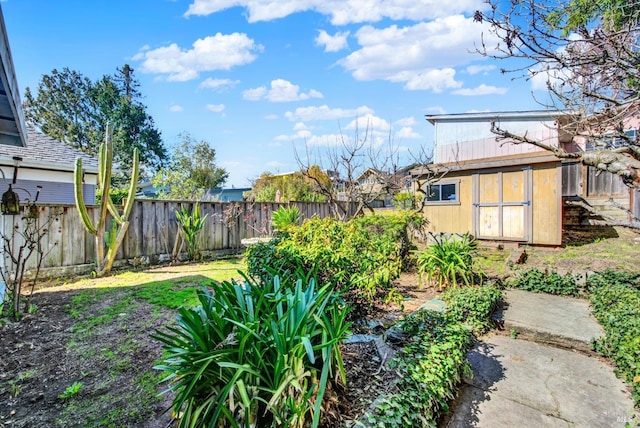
(496, 190)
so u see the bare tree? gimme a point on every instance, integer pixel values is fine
(588, 55)
(362, 170)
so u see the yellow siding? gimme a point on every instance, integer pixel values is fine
(455, 218)
(544, 221)
(547, 204)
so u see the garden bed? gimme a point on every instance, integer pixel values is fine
(104, 343)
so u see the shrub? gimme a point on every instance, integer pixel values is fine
(394, 228)
(539, 281)
(473, 306)
(615, 302)
(255, 354)
(360, 257)
(449, 261)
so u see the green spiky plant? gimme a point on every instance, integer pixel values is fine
(120, 223)
(190, 223)
(448, 261)
(284, 218)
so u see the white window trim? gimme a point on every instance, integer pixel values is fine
(447, 202)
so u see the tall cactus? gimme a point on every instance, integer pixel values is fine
(120, 222)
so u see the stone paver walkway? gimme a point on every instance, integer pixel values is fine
(524, 383)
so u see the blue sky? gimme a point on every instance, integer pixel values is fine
(258, 78)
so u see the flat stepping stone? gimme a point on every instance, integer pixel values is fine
(518, 383)
(436, 305)
(562, 321)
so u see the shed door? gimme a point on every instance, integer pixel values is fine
(502, 204)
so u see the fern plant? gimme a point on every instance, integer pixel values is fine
(449, 261)
(191, 223)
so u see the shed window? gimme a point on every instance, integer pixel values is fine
(444, 192)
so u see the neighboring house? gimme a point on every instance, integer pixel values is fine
(147, 190)
(12, 125)
(48, 163)
(228, 195)
(494, 189)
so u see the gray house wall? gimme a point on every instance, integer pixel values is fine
(51, 192)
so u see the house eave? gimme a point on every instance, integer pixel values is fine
(497, 115)
(12, 124)
(50, 166)
(480, 164)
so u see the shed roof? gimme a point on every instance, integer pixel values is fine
(47, 153)
(525, 114)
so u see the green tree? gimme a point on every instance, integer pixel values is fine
(191, 172)
(576, 15)
(292, 187)
(71, 108)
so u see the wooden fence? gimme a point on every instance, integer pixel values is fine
(152, 232)
(587, 181)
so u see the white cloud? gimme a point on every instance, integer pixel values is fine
(281, 91)
(377, 131)
(406, 121)
(254, 94)
(216, 108)
(481, 90)
(369, 122)
(217, 84)
(271, 116)
(417, 53)
(435, 80)
(406, 132)
(326, 113)
(341, 11)
(219, 52)
(176, 108)
(302, 132)
(333, 43)
(475, 69)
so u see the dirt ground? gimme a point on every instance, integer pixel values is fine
(43, 355)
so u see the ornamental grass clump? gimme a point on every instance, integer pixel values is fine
(448, 261)
(256, 354)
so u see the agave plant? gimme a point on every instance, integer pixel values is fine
(190, 224)
(256, 354)
(449, 261)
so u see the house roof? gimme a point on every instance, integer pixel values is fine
(47, 153)
(12, 124)
(530, 114)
